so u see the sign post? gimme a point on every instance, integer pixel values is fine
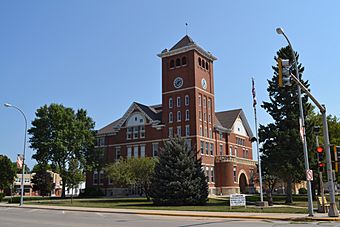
(237, 200)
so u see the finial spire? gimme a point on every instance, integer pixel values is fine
(186, 28)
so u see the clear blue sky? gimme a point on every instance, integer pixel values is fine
(101, 55)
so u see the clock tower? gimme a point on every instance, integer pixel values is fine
(188, 95)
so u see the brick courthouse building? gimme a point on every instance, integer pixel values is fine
(222, 139)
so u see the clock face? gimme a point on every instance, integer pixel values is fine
(178, 82)
(204, 84)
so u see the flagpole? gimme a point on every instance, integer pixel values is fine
(257, 139)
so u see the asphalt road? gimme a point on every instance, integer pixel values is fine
(50, 218)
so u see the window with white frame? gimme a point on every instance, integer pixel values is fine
(135, 151)
(187, 115)
(129, 152)
(128, 133)
(155, 149)
(199, 100)
(142, 131)
(135, 132)
(211, 149)
(178, 101)
(179, 116)
(171, 132)
(210, 133)
(221, 149)
(171, 102)
(234, 174)
(179, 130)
(205, 117)
(205, 131)
(200, 115)
(204, 102)
(142, 151)
(201, 131)
(209, 103)
(206, 147)
(187, 130)
(202, 147)
(231, 150)
(209, 119)
(235, 153)
(170, 117)
(187, 100)
(118, 154)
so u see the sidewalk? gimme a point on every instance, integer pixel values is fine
(243, 215)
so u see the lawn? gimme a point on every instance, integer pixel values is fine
(213, 205)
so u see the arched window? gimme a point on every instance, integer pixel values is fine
(179, 116)
(178, 62)
(170, 102)
(207, 66)
(172, 63)
(199, 62)
(203, 63)
(184, 60)
(170, 117)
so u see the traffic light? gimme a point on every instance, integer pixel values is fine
(284, 72)
(321, 158)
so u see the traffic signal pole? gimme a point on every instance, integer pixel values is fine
(333, 211)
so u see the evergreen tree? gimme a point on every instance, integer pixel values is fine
(282, 145)
(178, 178)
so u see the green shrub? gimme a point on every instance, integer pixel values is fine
(91, 192)
(302, 191)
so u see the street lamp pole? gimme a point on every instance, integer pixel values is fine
(302, 122)
(23, 156)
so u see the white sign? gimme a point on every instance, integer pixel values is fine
(237, 200)
(309, 174)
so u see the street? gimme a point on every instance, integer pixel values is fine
(53, 218)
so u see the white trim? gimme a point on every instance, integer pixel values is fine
(188, 88)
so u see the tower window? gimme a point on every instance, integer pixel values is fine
(178, 101)
(170, 117)
(187, 130)
(179, 116)
(207, 66)
(172, 63)
(199, 100)
(187, 115)
(203, 63)
(184, 60)
(179, 130)
(199, 62)
(204, 102)
(170, 102)
(187, 100)
(178, 62)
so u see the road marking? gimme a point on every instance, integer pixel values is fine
(63, 212)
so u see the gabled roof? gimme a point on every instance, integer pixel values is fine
(108, 128)
(154, 116)
(228, 118)
(184, 45)
(185, 41)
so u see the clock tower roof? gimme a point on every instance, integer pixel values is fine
(184, 45)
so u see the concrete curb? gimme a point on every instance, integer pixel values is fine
(267, 216)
